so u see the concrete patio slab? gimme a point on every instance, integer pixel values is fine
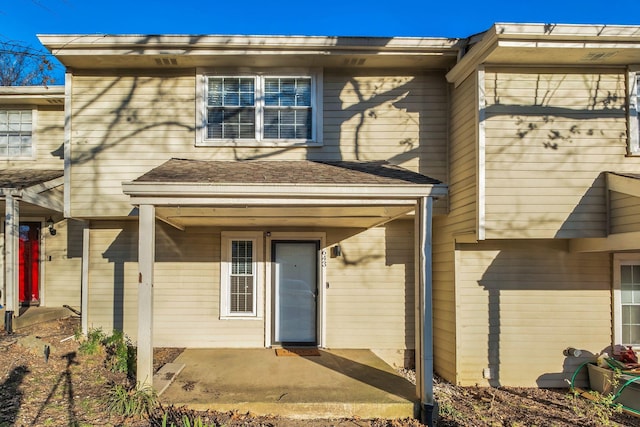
(33, 315)
(338, 383)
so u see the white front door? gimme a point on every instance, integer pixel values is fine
(296, 292)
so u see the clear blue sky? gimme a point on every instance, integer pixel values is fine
(23, 19)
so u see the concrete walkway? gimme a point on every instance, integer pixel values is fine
(33, 315)
(338, 383)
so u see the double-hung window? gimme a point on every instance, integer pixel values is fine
(627, 299)
(261, 109)
(241, 275)
(16, 139)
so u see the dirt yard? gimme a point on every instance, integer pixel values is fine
(68, 389)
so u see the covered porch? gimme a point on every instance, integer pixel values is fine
(328, 384)
(31, 200)
(299, 200)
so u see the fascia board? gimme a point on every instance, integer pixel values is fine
(282, 190)
(32, 95)
(197, 42)
(623, 184)
(478, 53)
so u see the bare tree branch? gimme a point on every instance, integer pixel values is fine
(23, 65)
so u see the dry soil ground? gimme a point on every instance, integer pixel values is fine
(69, 389)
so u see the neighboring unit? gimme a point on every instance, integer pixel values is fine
(41, 252)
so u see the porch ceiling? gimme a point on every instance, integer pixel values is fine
(40, 189)
(282, 216)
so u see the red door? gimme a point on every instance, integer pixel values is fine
(29, 263)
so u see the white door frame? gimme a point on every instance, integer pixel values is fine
(322, 266)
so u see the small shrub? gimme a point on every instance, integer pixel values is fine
(120, 354)
(186, 421)
(93, 342)
(131, 402)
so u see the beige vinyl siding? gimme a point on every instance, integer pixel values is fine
(186, 287)
(396, 116)
(48, 138)
(522, 303)
(62, 265)
(370, 299)
(624, 213)
(460, 220)
(549, 136)
(125, 125)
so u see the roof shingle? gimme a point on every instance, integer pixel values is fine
(283, 172)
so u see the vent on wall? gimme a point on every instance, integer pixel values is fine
(166, 61)
(55, 101)
(354, 61)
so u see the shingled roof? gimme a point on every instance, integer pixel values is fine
(283, 172)
(25, 178)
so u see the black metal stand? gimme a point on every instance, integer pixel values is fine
(429, 414)
(8, 322)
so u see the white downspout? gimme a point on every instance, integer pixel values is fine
(429, 411)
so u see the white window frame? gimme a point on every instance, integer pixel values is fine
(202, 76)
(619, 260)
(633, 137)
(34, 123)
(225, 274)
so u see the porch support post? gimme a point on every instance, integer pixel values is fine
(424, 332)
(146, 258)
(11, 250)
(84, 284)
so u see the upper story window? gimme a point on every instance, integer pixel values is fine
(16, 133)
(261, 109)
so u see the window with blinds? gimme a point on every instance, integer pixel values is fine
(260, 108)
(241, 275)
(630, 299)
(16, 133)
(242, 279)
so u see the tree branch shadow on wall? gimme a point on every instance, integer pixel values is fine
(525, 307)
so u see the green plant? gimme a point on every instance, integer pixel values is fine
(602, 406)
(119, 352)
(186, 421)
(130, 402)
(93, 342)
(448, 410)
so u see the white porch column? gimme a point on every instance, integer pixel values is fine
(424, 323)
(146, 259)
(84, 284)
(11, 250)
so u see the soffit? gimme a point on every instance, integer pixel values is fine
(550, 45)
(174, 51)
(32, 95)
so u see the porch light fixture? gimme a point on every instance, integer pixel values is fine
(50, 223)
(336, 251)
